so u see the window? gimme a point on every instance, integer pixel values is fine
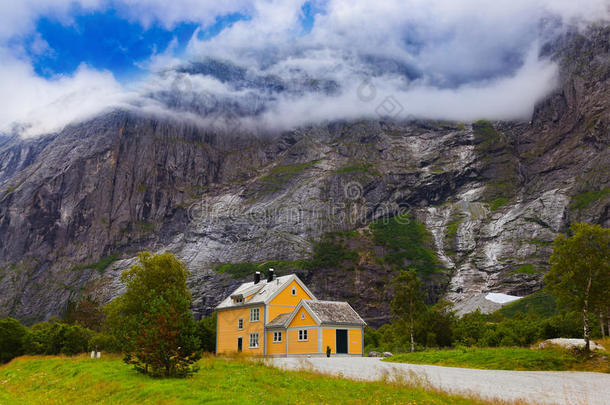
(302, 316)
(302, 334)
(294, 291)
(240, 323)
(254, 315)
(253, 340)
(239, 300)
(277, 337)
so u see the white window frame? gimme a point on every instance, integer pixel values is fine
(253, 338)
(294, 291)
(303, 335)
(277, 337)
(303, 315)
(240, 323)
(239, 300)
(258, 314)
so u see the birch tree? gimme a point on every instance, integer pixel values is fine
(407, 300)
(580, 271)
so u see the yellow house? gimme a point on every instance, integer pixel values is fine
(279, 316)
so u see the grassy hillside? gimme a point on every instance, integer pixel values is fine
(80, 380)
(509, 359)
(541, 303)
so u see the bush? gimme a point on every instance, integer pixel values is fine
(437, 326)
(55, 337)
(205, 330)
(104, 342)
(12, 336)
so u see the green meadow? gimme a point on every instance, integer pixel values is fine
(510, 358)
(81, 380)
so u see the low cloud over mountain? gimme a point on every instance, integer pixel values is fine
(280, 64)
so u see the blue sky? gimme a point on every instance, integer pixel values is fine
(109, 41)
(103, 41)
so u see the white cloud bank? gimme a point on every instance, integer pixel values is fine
(411, 58)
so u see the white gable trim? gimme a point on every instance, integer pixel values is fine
(302, 304)
(293, 277)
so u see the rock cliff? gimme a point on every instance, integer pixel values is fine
(76, 206)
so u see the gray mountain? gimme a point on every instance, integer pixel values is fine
(485, 198)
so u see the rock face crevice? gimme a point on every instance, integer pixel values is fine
(492, 195)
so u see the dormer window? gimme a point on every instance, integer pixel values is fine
(294, 291)
(239, 300)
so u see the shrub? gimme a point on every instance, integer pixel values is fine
(205, 330)
(104, 342)
(54, 337)
(12, 336)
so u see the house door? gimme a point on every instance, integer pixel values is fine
(341, 340)
(239, 344)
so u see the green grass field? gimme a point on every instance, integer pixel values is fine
(80, 380)
(508, 359)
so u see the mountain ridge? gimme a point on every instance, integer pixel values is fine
(492, 195)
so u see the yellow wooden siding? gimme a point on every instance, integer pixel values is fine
(285, 302)
(297, 321)
(329, 339)
(228, 332)
(354, 339)
(274, 311)
(297, 347)
(277, 347)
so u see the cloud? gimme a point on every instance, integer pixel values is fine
(415, 58)
(35, 105)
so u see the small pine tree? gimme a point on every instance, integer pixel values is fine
(153, 320)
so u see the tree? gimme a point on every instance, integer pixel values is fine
(206, 332)
(470, 328)
(580, 270)
(435, 325)
(12, 336)
(55, 337)
(407, 299)
(86, 312)
(153, 320)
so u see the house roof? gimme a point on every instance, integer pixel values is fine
(262, 292)
(279, 321)
(325, 313)
(333, 312)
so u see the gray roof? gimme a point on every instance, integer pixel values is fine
(279, 321)
(323, 312)
(263, 291)
(334, 312)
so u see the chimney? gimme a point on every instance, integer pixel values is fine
(270, 276)
(257, 277)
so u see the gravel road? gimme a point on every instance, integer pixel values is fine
(540, 387)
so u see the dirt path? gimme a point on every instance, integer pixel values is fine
(541, 387)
